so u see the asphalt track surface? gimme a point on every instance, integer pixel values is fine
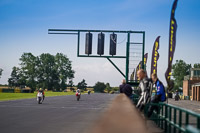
(61, 114)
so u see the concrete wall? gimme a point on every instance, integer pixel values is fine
(187, 87)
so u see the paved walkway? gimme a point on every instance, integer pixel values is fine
(187, 104)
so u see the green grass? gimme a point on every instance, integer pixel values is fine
(15, 96)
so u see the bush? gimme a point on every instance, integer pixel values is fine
(99, 87)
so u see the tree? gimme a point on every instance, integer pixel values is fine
(179, 70)
(71, 84)
(14, 80)
(108, 88)
(196, 65)
(115, 88)
(1, 70)
(29, 70)
(82, 85)
(46, 71)
(99, 87)
(54, 71)
(63, 68)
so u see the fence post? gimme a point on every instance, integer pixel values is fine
(166, 113)
(159, 106)
(180, 120)
(186, 118)
(198, 122)
(170, 116)
(174, 119)
(162, 116)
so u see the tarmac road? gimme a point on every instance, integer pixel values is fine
(61, 114)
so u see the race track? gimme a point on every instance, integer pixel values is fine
(62, 114)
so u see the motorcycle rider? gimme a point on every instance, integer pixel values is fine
(78, 92)
(89, 92)
(42, 91)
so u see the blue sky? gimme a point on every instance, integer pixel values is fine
(24, 27)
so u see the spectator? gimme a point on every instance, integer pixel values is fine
(126, 89)
(160, 94)
(145, 87)
(122, 86)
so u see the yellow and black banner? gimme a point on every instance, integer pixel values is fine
(155, 56)
(137, 69)
(140, 65)
(145, 59)
(172, 43)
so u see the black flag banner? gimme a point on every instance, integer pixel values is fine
(145, 59)
(132, 75)
(172, 44)
(137, 69)
(155, 56)
(140, 65)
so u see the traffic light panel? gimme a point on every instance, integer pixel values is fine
(113, 44)
(88, 44)
(100, 48)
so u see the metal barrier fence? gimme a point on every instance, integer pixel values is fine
(173, 119)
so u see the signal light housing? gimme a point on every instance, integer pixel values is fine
(100, 47)
(88, 43)
(113, 44)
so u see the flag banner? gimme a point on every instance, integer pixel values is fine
(137, 69)
(145, 59)
(132, 75)
(172, 44)
(155, 56)
(140, 65)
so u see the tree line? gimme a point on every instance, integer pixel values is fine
(98, 87)
(47, 71)
(54, 72)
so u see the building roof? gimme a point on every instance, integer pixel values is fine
(195, 69)
(196, 84)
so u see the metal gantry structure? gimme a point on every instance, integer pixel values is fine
(127, 56)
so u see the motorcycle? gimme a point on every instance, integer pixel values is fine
(39, 97)
(78, 96)
(177, 96)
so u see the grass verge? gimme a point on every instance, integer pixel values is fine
(15, 96)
